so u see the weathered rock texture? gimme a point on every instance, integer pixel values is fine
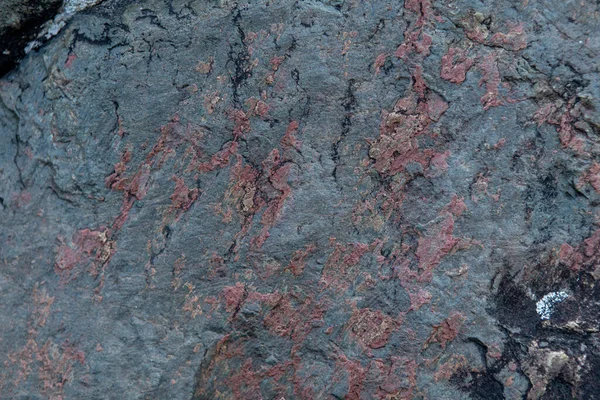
(20, 22)
(304, 200)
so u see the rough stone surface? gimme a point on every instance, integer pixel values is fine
(304, 200)
(20, 22)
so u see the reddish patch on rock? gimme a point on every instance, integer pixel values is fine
(436, 106)
(356, 375)
(242, 194)
(183, 198)
(297, 263)
(397, 145)
(277, 174)
(457, 206)
(205, 67)
(53, 363)
(446, 370)
(70, 59)
(415, 41)
(455, 65)
(339, 272)
(211, 101)
(399, 379)
(295, 322)
(418, 298)
(245, 382)
(234, 297)
(439, 161)
(439, 240)
(564, 120)
(585, 256)
(256, 107)
(423, 8)
(379, 62)
(117, 180)
(435, 245)
(139, 184)
(446, 331)
(500, 144)
(241, 123)
(419, 85)
(371, 328)
(276, 62)
(289, 140)
(491, 79)
(591, 176)
(87, 246)
(21, 199)
(220, 159)
(514, 40)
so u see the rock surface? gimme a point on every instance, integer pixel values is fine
(304, 200)
(20, 22)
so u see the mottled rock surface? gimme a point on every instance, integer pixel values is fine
(304, 200)
(20, 22)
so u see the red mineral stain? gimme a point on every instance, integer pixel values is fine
(371, 328)
(276, 62)
(88, 247)
(439, 161)
(455, 65)
(379, 62)
(418, 298)
(446, 370)
(242, 193)
(438, 240)
(256, 107)
(297, 263)
(117, 180)
(183, 198)
(241, 123)
(446, 331)
(53, 365)
(563, 120)
(423, 8)
(435, 245)
(220, 159)
(491, 79)
(205, 67)
(211, 101)
(289, 140)
(415, 41)
(397, 145)
(234, 297)
(277, 173)
(69, 63)
(192, 305)
(499, 144)
(436, 106)
(514, 40)
(400, 379)
(340, 269)
(584, 256)
(295, 322)
(356, 375)
(21, 199)
(457, 206)
(591, 176)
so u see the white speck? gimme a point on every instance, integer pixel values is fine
(545, 306)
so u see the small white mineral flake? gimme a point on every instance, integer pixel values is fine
(545, 306)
